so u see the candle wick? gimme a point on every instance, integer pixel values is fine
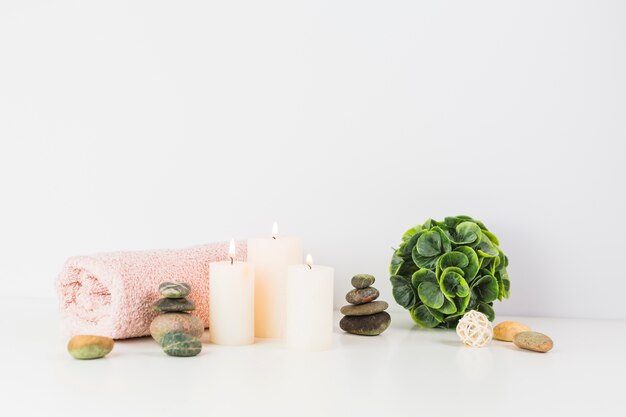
(274, 237)
(310, 266)
(231, 261)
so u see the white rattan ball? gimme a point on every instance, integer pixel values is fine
(475, 329)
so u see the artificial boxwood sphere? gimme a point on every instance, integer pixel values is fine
(443, 269)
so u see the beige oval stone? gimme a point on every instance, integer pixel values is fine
(507, 330)
(89, 347)
(176, 323)
(535, 341)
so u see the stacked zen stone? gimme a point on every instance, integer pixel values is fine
(364, 316)
(175, 329)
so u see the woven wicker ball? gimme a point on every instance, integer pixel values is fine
(475, 329)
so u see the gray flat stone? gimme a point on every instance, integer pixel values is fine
(165, 305)
(364, 309)
(174, 289)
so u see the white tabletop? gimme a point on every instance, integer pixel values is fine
(404, 372)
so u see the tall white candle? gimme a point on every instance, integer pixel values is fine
(271, 258)
(231, 301)
(310, 306)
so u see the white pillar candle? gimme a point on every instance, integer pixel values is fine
(231, 301)
(271, 258)
(310, 306)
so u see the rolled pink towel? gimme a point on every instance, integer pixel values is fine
(111, 294)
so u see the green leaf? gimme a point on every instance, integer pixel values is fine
(427, 262)
(396, 261)
(406, 268)
(486, 288)
(471, 269)
(423, 275)
(425, 317)
(454, 269)
(461, 304)
(429, 244)
(491, 237)
(496, 263)
(485, 262)
(484, 271)
(403, 292)
(474, 299)
(507, 287)
(428, 224)
(487, 310)
(451, 322)
(463, 217)
(441, 225)
(454, 258)
(411, 232)
(463, 289)
(453, 221)
(498, 276)
(445, 240)
(486, 248)
(466, 233)
(506, 283)
(448, 306)
(430, 294)
(452, 283)
(407, 248)
(501, 260)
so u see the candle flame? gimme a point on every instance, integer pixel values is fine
(231, 250)
(309, 261)
(275, 230)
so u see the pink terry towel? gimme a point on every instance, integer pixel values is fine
(111, 294)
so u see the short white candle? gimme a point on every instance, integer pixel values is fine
(231, 301)
(271, 258)
(310, 306)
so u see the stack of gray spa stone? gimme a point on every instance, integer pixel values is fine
(364, 316)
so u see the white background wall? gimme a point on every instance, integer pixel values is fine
(143, 124)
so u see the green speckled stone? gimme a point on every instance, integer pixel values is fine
(165, 305)
(362, 280)
(181, 344)
(362, 296)
(372, 325)
(174, 289)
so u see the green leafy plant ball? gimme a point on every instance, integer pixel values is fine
(441, 270)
